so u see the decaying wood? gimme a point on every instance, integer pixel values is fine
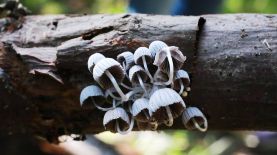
(232, 60)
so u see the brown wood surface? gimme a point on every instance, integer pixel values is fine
(232, 61)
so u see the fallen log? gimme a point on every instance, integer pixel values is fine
(232, 60)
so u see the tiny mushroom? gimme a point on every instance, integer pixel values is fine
(140, 110)
(181, 81)
(93, 94)
(193, 118)
(177, 57)
(112, 93)
(108, 73)
(166, 104)
(117, 120)
(143, 57)
(126, 59)
(156, 46)
(137, 75)
(93, 59)
(169, 57)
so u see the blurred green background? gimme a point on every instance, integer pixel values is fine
(120, 6)
(75, 6)
(249, 6)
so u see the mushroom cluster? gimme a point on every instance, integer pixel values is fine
(145, 87)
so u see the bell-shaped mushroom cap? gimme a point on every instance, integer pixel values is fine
(137, 70)
(140, 109)
(177, 57)
(183, 76)
(193, 115)
(119, 115)
(127, 58)
(107, 64)
(91, 91)
(156, 46)
(93, 59)
(140, 52)
(162, 98)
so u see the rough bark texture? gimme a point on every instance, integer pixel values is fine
(232, 60)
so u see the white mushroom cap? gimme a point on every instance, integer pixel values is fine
(140, 52)
(90, 91)
(127, 57)
(137, 70)
(182, 75)
(194, 113)
(177, 57)
(93, 59)
(139, 105)
(156, 46)
(137, 109)
(113, 67)
(162, 98)
(116, 114)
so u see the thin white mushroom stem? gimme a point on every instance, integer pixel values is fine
(127, 131)
(101, 108)
(125, 86)
(169, 122)
(133, 92)
(128, 95)
(124, 65)
(116, 86)
(146, 69)
(146, 114)
(202, 129)
(113, 96)
(182, 87)
(171, 67)
(131, 126)
(114, 104)
(141, 83)
(116, 121)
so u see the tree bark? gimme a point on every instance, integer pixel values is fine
(232, 61)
